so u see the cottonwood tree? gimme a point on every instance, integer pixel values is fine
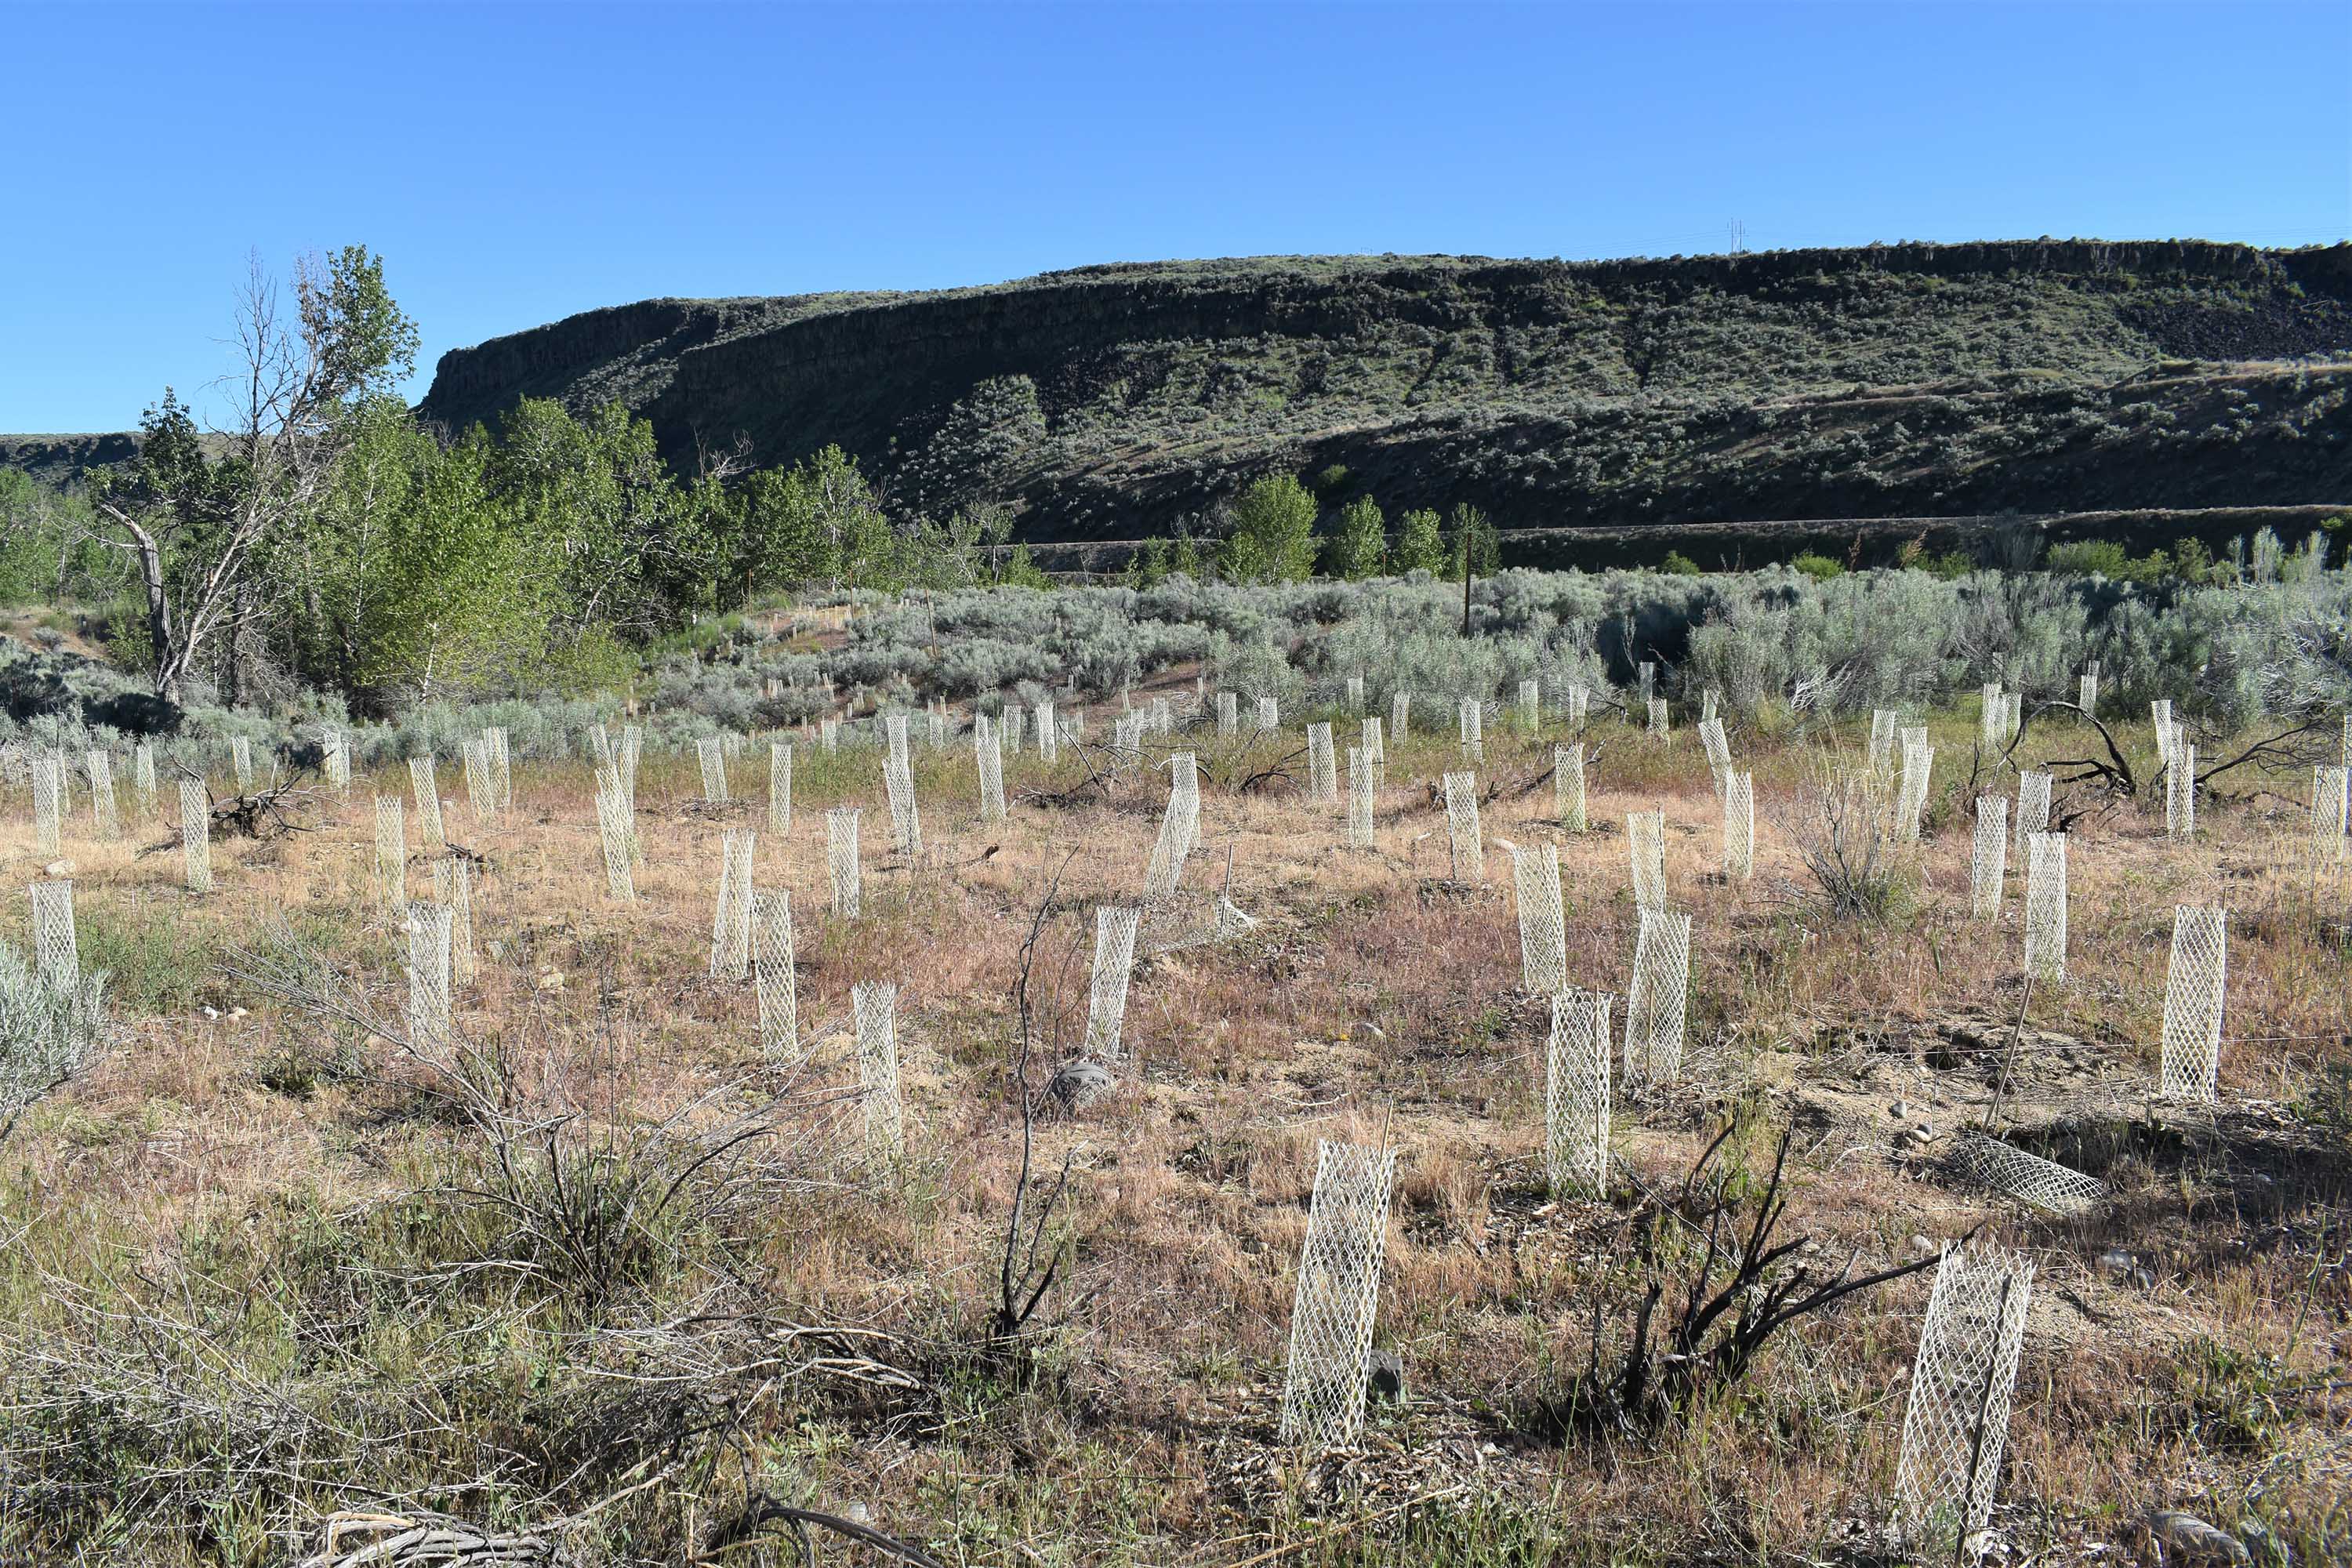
(201, 527)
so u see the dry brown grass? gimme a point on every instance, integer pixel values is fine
(1373, 1002)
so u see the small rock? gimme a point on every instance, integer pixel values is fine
(1921, 1243)
(57, 868)
(2115, 1260)
(2196, 1541)
(1900, 1110)
(552, 981)
(1081, 1085)
(236, 1013)
(1385, 1376)
(211, 1012)
(1924, 1133)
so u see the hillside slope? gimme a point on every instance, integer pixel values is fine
(1115, 400)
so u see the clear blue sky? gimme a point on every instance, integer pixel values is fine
(515, 164)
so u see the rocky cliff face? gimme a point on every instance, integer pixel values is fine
(1119, 401)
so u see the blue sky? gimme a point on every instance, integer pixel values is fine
(514, 164)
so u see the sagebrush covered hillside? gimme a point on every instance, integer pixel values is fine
(1117, 401)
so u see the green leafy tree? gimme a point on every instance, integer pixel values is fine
(203, 530)
(1273, 538)
(1360, 542)
(414, 576)
(1470, 529)
(1420, 543)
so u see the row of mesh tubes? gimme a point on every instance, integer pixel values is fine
(1336, 1298)
(1956, 1421)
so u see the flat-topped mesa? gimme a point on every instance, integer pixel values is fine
(1126, 400)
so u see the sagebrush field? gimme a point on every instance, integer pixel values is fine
(594, 1278)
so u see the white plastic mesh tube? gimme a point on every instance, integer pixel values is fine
(1322, 777)
(841, 861)
(1115, 929)
(2181, 790)
(453, 890)
(2032, 805)
(874, 1009)
(427, 790)
(772, 974)
(1049, 734)
(57, 951)
(1955, 1423)
(1530, 703)
(49, 809)
(1645, 844)
(1229, 720)
(143, 780)
(1375, 745)
(481, 787)
(714, 768)
(1738, 826)
(1180, 828)
(1567, 786)
(428, 974)
(616, 837)
(1579, 704)
(730, 918)
(1657, 706)
(1882, 742)
(196, 835)
(2194, 984)
(1360, 799)
(1718, 749)
(989, 753)
(102, 813)
(1471, 722)
(1911, 798)
(240, 762)
(1576, 1093)
(2045, 906)
(1543, 922)
(1988, 856)
(2331, 810)
(390, 851)
(780, 786)
(1269, 715)
(1656, 1000)
(898, 785)
(1463, 840)
(1399, 716)
(1338, 1297)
